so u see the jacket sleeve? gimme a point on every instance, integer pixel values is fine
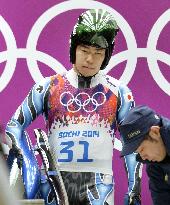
(133, 168)
(32, 106)
(21, 149)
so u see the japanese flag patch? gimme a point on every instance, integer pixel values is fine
(128, 97)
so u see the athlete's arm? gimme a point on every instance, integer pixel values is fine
(133, 168)
(32, 106)
(22, 150)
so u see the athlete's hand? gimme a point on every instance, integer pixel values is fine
(15, 152)
(132, 199)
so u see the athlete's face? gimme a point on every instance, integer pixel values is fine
(88, 60)
(152, 148)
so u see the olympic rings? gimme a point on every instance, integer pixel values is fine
(82, 101)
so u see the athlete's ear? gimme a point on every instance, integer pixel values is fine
(154, 133)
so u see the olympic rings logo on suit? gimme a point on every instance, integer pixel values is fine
(82, 101)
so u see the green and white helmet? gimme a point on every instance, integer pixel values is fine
(95, 27)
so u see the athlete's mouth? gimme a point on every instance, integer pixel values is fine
(87, 67)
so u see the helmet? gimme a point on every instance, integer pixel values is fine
(95, 27)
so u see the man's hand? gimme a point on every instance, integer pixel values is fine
(15, 152)
(132, 199)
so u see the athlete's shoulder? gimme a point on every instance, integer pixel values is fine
(58, 78)
(45, 83)
(114, 84)
(42, 85)
(50, 81)
(124, 88)
(112, 81)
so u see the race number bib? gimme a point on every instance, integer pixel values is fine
(82, 147)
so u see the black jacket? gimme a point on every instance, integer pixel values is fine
(159, 172)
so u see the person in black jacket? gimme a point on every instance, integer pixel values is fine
(148, 134)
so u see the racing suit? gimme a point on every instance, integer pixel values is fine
(81, 117)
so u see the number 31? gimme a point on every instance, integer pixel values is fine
(67, 150)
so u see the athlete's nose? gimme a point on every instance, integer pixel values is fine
(89, 58)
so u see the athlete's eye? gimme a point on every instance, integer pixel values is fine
(99, 53)
(85, 51)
